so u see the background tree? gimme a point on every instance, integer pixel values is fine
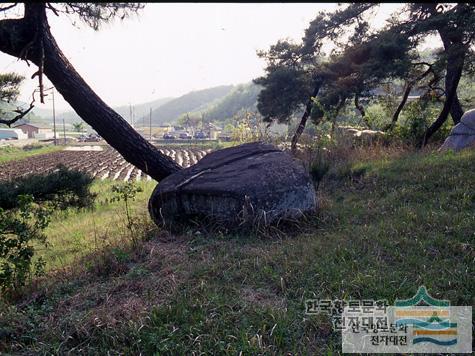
(354, 68)
(78, 126)
(306, 61)
(9, 91)
(289, 86)
(455, 25)
(364, 59)
(29, 38)
(190, 122)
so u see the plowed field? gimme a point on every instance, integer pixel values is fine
(106, 164)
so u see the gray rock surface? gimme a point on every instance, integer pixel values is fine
(245, 183)
(462, 135)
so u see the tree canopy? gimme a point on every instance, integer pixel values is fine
(363, 59)
(9, 91)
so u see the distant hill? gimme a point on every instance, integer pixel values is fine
(43, 113)
(138, 111)
(192, 102)
(242, 98)
(217, 104)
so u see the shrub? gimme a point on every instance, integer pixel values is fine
(33, 146)
(376, 116)
(25, 208)
(8, 149)
(416, 118)
(18, 229)
(319, 167)
(127, 192)
(62, 188)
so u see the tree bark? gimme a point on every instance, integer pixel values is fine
(456, 53)
(407, 90)
(362, 111)
(454, 48)
(303, 120)
(456, 111)
(29, 37)
(454, 72)
(405, 95)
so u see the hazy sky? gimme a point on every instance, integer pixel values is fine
(171, 49)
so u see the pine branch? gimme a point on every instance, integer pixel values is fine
(8, 7)
(21, 114)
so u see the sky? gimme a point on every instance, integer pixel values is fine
(171, 49)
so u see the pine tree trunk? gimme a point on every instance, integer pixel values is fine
(454, 72)
(303, 120)
(456, 111)
(456, 53)
(362, 111)
(18, 35)
(405, 95)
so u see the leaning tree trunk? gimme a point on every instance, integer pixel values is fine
(362, 111)
(455, 62)
(405, 95)
(407, 90)
(30, 38)
(305, 116)
(456, 111)
(454, 48)
(454, 72)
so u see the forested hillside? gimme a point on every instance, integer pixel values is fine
(191, 102)
(242, 98)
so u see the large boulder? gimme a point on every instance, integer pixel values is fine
(462, 134)
(245, 183)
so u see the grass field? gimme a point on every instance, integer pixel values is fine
(73, 234)
(9, 153)
(385, 226)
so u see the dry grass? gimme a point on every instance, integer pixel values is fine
(108, 290)
(263, 298)
(348, 158)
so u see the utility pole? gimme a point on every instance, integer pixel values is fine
(130, 115)
(64, 131)
(150, 124)
(187, 122)
(54, 118)
(133, 117)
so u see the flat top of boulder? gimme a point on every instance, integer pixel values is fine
(259, 174)
(229, 155)
(243, 166)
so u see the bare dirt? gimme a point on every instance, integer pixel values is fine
(104, 164)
